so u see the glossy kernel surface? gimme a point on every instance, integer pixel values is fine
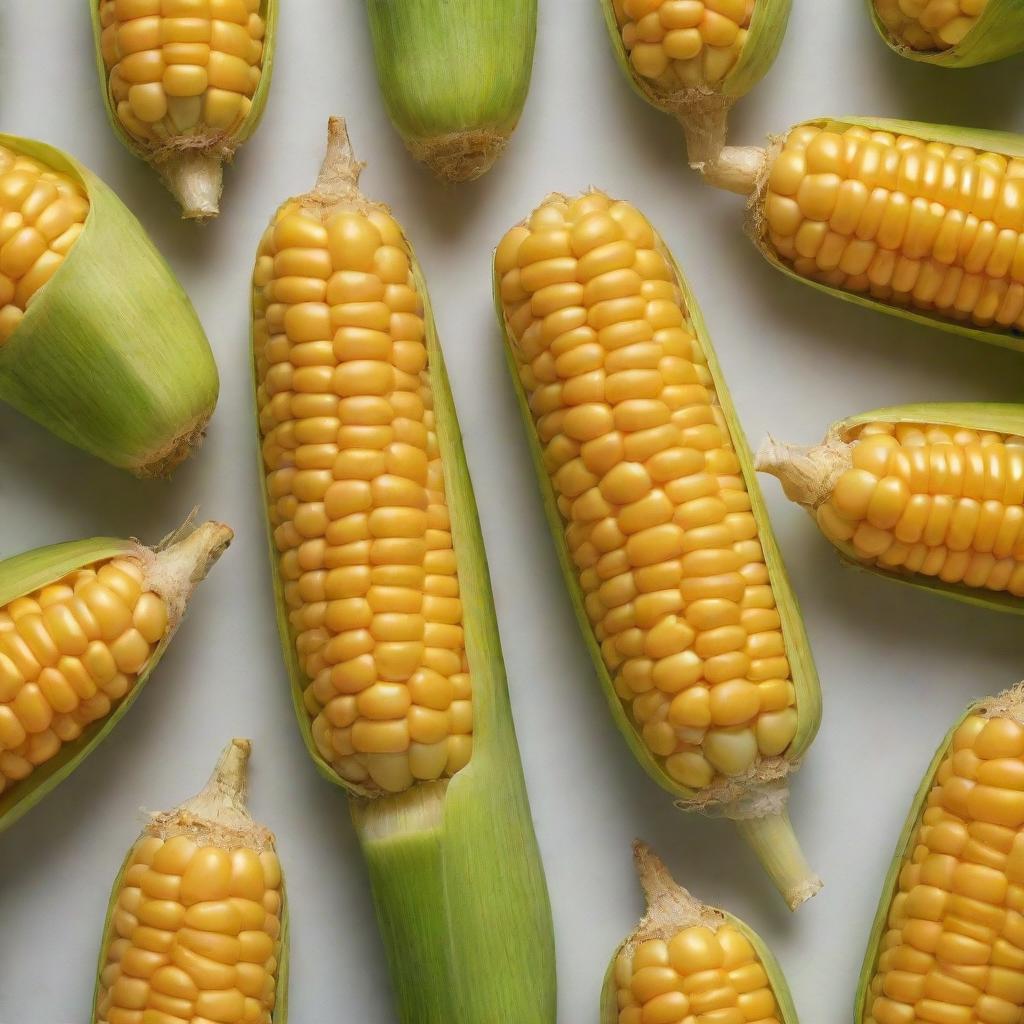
(655, 509)
(356, 488)
(930, 25)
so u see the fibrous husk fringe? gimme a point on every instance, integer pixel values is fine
(1008, 704)
(757, 793)
(459, 156)
(808, 473)
(164, 461)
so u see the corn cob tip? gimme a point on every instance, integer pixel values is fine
(195, 178)
(666, 899)
(340, 171)
(808, 473)
(460, 156)
(739, 169)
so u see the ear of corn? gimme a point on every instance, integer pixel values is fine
(385, 610)
(947, 941)
(950, 35)
(664, 541)
(686, 961)
(454, 77)
(694, 58)
(923, 221)
(185, 84)
(82, 626)
(931, 495)
(98, 341)
(197, 925)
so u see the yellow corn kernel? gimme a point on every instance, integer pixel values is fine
(358, 496)
(929, 25)
(653, 500)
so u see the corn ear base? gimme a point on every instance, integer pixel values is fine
(997, 33)
(194, 176)
(35, 569)
(770, 835)
(110, 355)
(454, 77)
(1005, 143)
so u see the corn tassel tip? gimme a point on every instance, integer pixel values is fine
(176, 569)
(808, 473)
(195, 178)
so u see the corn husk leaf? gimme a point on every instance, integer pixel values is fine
(454, 865)
(454, 77)
(28, 572)
(192, 167)
(1007, 144)
(768, 771)
(997, 33)
(110, 355)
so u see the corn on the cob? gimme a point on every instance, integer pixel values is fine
(185, 83)
(384, 605)
(98, 341)
(948, 939)
(919, 220)
(689, 963)
(82, 625)
(666, 547)
(929, 494)
(950, 33)
(695, 58)
(454, 77)
(197, 927)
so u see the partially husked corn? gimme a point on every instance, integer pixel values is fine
(698, 976)
(181, 67)
(656, 514)
(930, 24)
(683, 44)
(42, 213)
(933, 226)
(196, 926)
(356, 485)
(68, 653)
(948, 944)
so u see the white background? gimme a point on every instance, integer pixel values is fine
(896, 666)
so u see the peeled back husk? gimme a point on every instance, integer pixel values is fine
(746, 170)
(914, 847)
(757, 799)
(808, 474)
(454, 77)
(702, 110)
(172, 570)
(454, 865)
(110, 355)
(997, 32)
(216, 818)
(190, 164)
(671, 909)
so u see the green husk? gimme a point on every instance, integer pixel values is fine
(1008, 704)
(454, 865)
(997, 33)
(757, 802)
(454, 77)
(190, 165)
(110, 355)
(218, 815)
(745, 170)
(670, 909)
(703, 112)
(173, 569)
(806, 472)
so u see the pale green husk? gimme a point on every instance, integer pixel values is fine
(769, 833)
(23, 574)
(670, 909)
(998, 33)
(454, 76)
(110, 355)
(703, 112)
(1006, 144)
(454, 865)
(280, 1014)
(1000, 418)
(1006, 703)
(192, 166)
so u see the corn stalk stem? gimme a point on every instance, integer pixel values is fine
(195, 179)
(735, 169)
(771, 837)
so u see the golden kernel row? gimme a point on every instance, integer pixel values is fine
(930, 25)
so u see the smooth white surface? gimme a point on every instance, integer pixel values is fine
(896, 666)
